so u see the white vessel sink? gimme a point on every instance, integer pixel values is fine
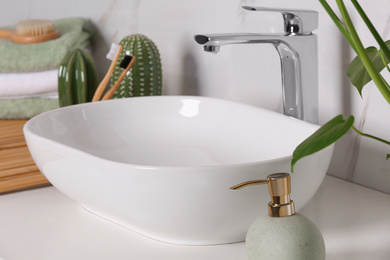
(162, 166)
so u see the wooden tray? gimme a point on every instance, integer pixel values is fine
(17, 169)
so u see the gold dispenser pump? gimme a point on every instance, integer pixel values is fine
(279, 185)
(283, 234)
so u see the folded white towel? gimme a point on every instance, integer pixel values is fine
(31, 84)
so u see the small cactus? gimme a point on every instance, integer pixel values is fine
(77, 78)
(145, 76)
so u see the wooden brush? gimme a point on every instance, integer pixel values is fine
(32, 31)
(102, 86)
(126, 64)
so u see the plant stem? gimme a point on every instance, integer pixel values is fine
(376, 77)
(338, 23)
(371, 136)
(372, 29)
(384, 60)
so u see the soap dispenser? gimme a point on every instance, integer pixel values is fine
(282, 234)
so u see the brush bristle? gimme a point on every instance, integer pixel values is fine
(113, 50)
(35, 27)
(125, 62)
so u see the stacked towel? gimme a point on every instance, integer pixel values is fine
(28, 72)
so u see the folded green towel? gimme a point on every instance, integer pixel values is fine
(25, 108)
(46, 55)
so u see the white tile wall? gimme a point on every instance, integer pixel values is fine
(249, 74)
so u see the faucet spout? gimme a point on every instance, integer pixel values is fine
(211, 48)
(297, 50)
(298, 57)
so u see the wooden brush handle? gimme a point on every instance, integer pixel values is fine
(6, 34)
(99, 91)
(11, 35)
(112, 90)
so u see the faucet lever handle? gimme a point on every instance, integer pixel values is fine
(296, 21)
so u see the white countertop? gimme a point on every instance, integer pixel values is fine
(44, 224)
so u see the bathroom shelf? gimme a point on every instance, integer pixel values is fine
(17, 169)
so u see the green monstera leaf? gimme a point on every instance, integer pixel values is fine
(357, 71)
(326, 135)
(365, 67)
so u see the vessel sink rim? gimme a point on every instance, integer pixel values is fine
(90, 156)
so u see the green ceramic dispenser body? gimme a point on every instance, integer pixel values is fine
(293, 238)
(145, 76)
(77, 78)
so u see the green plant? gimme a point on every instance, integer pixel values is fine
(77, 78)
(367, 66)
(145, 76)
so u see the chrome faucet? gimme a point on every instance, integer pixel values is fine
(297, 48)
